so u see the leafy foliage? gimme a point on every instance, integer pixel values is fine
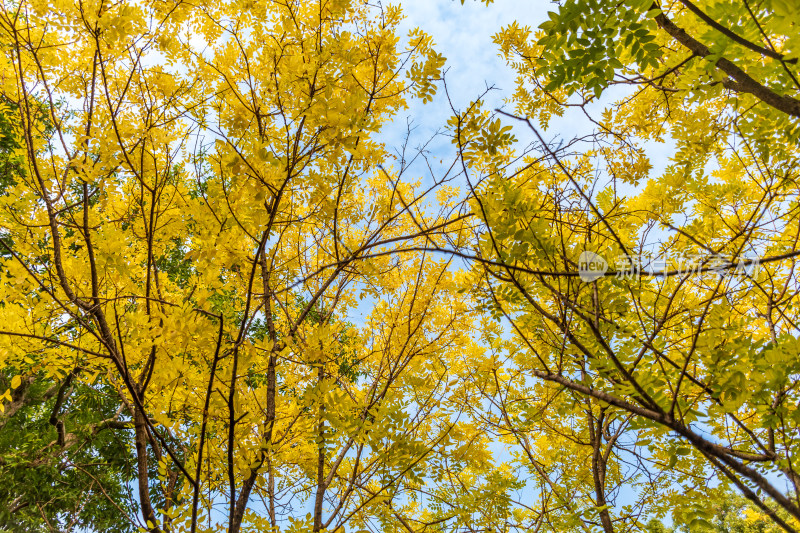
(685, 345)
(226, 305)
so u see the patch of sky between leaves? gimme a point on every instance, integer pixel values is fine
(464, 35)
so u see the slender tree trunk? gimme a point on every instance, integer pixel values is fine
(269, 422)
(140, 429)
(320, 461)
(599, 468)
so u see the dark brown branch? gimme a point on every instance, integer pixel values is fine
(739, 80)
(734, 36)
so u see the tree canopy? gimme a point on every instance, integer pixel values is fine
(227, 305)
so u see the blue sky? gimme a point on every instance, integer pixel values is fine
(463, 34)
